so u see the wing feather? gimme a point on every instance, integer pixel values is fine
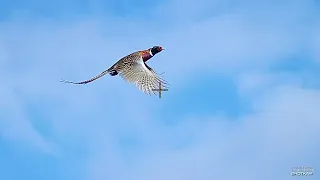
(145, 78)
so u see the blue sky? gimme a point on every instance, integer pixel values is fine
(242, 104)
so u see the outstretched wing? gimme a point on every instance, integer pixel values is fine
(145, 78)
(87, 81)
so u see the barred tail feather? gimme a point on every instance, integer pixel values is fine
(87, 81)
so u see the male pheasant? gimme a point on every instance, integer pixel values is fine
(133, 68)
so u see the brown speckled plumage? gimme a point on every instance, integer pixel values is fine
(132, 68)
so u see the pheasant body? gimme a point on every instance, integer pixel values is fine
(132, 68)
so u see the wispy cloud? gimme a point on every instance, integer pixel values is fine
(15, 124)
(248, 148)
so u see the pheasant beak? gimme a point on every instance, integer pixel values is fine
(160, 49)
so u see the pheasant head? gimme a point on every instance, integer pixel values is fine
(155, 49)
(149, 53)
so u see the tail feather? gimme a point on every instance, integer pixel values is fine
(87, 81)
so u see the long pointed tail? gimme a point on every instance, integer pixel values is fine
(90, 80)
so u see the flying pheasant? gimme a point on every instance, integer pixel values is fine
(133, 68)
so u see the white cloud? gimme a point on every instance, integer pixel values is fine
(253, 84)
(14, 124)
(281, 133)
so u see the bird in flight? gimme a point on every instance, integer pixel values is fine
(133, 68)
